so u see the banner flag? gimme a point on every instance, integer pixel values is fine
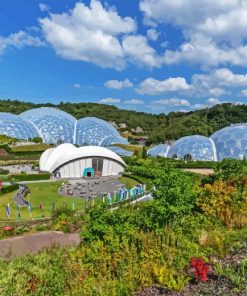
(109, 198)
(30, 210)
(8, 211)
(19, 212)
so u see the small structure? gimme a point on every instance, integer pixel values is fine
(68, 161)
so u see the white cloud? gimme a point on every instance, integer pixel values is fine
(134, 102)
(217, 92)
(164, 44)
(19, 40)
(152, 34)
(44, 7)
(221, 18)
(138, 51)
(89, 34)
(153, 86)
(109, 101)
(215, 31)
(77, 85)
(173, 102)
(227, 77)
(214, 81)
(199, 106)
(116, 84)
(212, 101)
(244, 92)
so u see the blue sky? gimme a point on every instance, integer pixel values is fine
(149, 55)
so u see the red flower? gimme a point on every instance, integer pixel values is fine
(8, 228)
(200, 269)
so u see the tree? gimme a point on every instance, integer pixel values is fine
(144, 152)
(37, 140)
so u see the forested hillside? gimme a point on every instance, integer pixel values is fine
(158, 127)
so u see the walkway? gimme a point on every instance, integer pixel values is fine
(33, 243)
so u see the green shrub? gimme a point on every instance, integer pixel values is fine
(10, 188)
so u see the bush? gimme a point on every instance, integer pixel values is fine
(10, 188)
(29, 177)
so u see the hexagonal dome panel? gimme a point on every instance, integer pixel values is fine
(16, 127)
(95, 131)
(231, 142)
(159, 150)
(193, 148)
(53, 125)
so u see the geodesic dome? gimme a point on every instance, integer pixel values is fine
(120, 151)
(194, 147)
(53, 125)
(113, 140)
(56, 126)
(159, 150)
(16, 127)
(95, 131)
(231, 142)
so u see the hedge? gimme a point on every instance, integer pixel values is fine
(26, 177)
(9, 188)
(196, 165)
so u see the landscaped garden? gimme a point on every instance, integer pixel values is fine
(190, 240)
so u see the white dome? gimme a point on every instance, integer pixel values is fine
(53, 158)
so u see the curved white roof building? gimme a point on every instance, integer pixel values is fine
(68, 161)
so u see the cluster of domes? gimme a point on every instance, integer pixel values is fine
(229, 142)
(55, 126)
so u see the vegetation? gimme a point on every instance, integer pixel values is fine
(25, 177)
(30, 148)
(181, 240)
(158, 128)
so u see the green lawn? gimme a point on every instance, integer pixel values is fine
(45, 193)
(128, 182)
(31, 148)
(131, 148)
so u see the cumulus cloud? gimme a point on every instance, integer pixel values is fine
(173, 102)
(134, 102)
(244, 92)
(116, 84)
(109, 101)
(216, 81)
(152, 34)
(44, 7)
(19, 40)
(138, 51)
(215, 31)
(89, 34)
(212, 101)
(151, 86)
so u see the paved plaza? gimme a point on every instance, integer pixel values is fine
(91, 187)
(19, 168)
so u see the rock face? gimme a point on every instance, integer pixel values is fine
(33, 243)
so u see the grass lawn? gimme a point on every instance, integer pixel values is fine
(128, 182)
(131, 148)
(45, 193)
(31, 148)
